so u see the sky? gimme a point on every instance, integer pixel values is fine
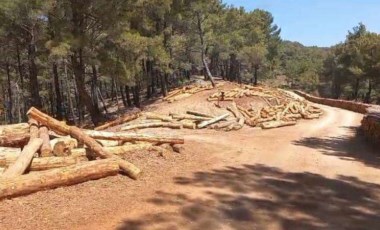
(317, 22)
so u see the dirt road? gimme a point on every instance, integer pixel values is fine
(316, 175)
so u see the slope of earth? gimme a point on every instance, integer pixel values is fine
(316, 175)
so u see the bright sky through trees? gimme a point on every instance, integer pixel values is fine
(317, 22)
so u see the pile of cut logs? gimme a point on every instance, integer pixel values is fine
(46, 153)
(187, 91)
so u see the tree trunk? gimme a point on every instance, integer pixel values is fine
(123, 96)
(164, 88)
(58, 94)
(152, 125)
(10, 102)
(94, 86)
(369, 92)
(255, 75)
(84, 99)
(204, 61)
(128, 95)
(33, 73)
(66, 176)
(356, 89)
(23, 161)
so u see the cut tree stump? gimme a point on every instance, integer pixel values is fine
(152, 125)
(127, 167)
(29, 183)
(126, 136)
(23, 161)
(46, 149)
(119, 121)
(212, 121)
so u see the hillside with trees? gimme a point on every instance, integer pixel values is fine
(70, 58)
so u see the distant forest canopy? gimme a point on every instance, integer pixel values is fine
(68, 57)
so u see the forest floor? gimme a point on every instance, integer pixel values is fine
(318, 174)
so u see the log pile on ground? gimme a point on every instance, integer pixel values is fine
(187, 91)
(281, 109)
(62, 155)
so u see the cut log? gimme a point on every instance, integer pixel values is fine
(199, 114)
(46, 149)
(26, 184)
(21, 128)
(116, 150)
(119, 121)
(154, 116)
(277, 124)
(173, 93)
(23, 161)
(62, 146)
(212, 121)
(46, 163)
(14, 140)
(222, 125)
(33, 130)
(152, 125)
(126, 136)
(8, 155)
(2, 170)
(130, 169)
(107, 143)
(189, 117)
(188, 124)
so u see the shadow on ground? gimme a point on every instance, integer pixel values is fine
(261, 197)
(349, 147)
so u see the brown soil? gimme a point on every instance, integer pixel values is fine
(316, 175)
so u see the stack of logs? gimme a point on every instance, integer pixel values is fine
(187, 91)
(46, 153)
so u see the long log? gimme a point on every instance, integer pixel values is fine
(152, 125)
(46, 163)
(126, 136)
(277, 124)
(46, 149)
(195, 113)
(154, 116)
(8, 155)
(212, 121)
(29, 183)
(117, 150)
(189, 117)
(23, 161)
(16, 135)
(119, 121)
(34, 129)
(130, 169)
(2, 170)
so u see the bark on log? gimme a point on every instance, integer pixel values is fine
(126, 136)
(33, 130)
(152, 125)
(46, 149)
(16, 135)
(119, 121)
(23, 161)
(199, 114)
(26, 184)
(2, 170)
(130, 169)
(277, 124)
(212, 121)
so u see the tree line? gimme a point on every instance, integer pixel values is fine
(67, 57)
